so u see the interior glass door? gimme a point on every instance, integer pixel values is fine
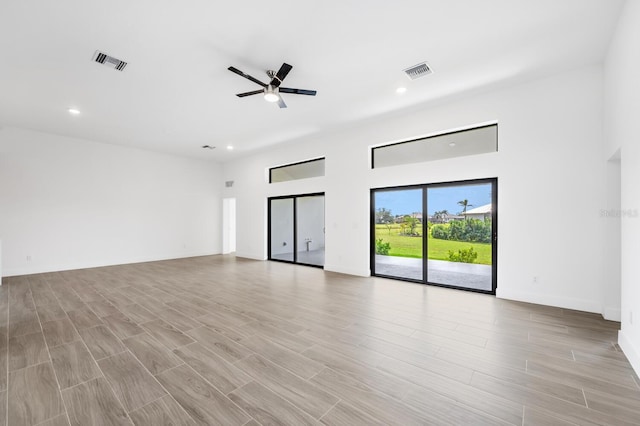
(296, 229)
(310, 230)
(281, 220)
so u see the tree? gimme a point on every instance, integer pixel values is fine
(385, 217)
(411, 222)
(441, 216)
(464, 203)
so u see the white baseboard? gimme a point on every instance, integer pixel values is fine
(630, 350)
(348, 271)
(612, 314)
(43, 268)
(550, 300)
(252, 256)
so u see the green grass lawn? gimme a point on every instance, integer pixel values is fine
(404, 246)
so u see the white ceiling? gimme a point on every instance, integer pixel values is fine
(176, 93)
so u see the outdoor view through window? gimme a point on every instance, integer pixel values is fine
(456, 229)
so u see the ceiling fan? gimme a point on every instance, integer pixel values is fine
(272, 90)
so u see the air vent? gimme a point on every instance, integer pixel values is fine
(418, 71)
(228, 183)
(208, 147)
(110, 61)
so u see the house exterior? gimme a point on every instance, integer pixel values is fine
(481, 213)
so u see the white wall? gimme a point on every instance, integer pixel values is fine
(622, 130)
(68, 203)
(550, 137)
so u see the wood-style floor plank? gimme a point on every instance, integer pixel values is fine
(345, 414)
(204, 403)
(3, 408)
(93, 403)
(101, 342)
(163, 411)
(167, 334)
(268, 408)
(220, 373)
(61, 420)
(121, 325)
(59, 332)
(33, 395)
(301, 393)
(380, 406)
(131, 382)
(84, 318)
(50, 312)
(73, 364)
(221, 345)
(26, 350)
(152, 354)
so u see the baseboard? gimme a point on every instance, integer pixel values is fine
(348, 271)
(550, 300)
(252, 256)
(612, 314)
(40, 269)
(631, 351)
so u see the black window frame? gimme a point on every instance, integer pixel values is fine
(425, 187)
(293, 164)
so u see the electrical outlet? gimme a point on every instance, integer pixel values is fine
(535, 279)
(29, 258)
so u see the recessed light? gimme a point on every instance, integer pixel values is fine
(401, 90)
(452, 144)
(73, 111)
(230, 147)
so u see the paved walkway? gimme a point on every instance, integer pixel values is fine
(468, 275)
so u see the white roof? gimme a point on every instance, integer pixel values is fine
(480, 210)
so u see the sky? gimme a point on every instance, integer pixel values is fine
(402, 202)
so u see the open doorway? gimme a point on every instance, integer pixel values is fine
(228, 225)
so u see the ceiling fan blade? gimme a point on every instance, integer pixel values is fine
(281, 103)
(247, 76)
(255, 92)
(298, 91)
(281, 74)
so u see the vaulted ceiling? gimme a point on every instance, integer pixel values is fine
(176, 93)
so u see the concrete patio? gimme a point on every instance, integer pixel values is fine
(456, 274)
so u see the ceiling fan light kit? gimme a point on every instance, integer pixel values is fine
(272, 90)
(271, 94)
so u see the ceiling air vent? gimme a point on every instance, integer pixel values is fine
(418, 71)
(110, 61)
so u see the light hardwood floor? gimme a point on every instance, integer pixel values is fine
(220, 340)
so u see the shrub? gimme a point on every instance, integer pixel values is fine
(382, 247)
(471, 231)
(440, 232)
(464, 255)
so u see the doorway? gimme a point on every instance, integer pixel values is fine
(443, 234)
(228, 225)
(296, 229)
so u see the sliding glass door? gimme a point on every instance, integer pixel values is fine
(296, 229)
(442, 234)
(398, 233)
